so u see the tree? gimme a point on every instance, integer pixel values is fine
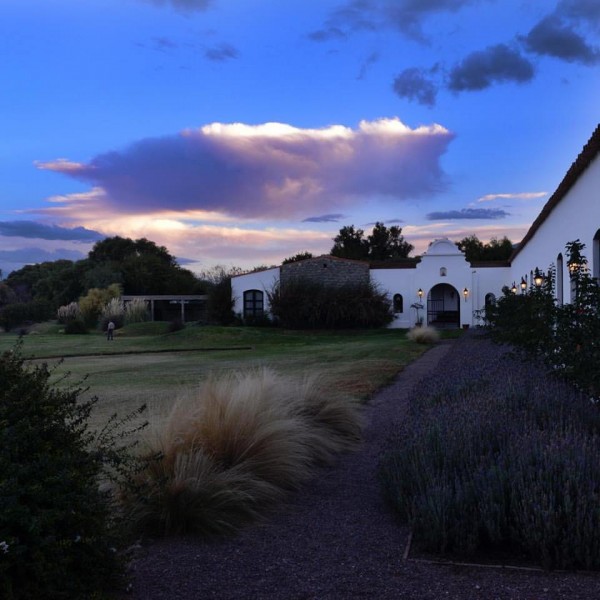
(475, 250)
(350, 243)
(381, 244)
(297, 257)
(388, 244)
(141, 266)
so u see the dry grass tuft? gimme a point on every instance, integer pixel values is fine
(231, 450)
(423, 335)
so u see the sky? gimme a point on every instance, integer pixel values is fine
(242, 132)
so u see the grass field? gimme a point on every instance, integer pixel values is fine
(147, 364)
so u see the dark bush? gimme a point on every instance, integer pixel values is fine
(13, 315)
(176, 325)
(75, 326)
(497, 456)
(58, 529)
(219, 304)
(304, 304)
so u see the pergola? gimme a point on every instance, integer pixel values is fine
(182, 299)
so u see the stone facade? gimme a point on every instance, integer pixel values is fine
(328, 270)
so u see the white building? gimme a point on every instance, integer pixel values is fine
(450, 289)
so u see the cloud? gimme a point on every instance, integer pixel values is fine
(467, 213)
(270, 170)
(32, 229)
(406, 16)
(221, 52)
(13, 260)
(495, 64)
(332, 218)
(183, 5)
(552, 36)
(518, 196)
(413, 84)
(587, 11)
(324, 35)
(163, 44)
(370, 60)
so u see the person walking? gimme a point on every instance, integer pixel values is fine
(110, 328)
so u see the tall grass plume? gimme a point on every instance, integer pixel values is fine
(423, 335)
(235, 447)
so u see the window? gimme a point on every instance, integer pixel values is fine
(398, 303)
(490, 299)
(253, 303)
(596, 256)
(443, 271)
(559, 279)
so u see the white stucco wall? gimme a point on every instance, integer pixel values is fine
(576, 216)
(261, 280)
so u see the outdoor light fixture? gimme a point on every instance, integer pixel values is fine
(523, 284)
(573, 267)
(538, 278)
(420, 293)
(465, 293)
(513, 289)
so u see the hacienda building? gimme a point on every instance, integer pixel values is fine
(451, 290)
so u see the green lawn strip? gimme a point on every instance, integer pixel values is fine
(157, 368)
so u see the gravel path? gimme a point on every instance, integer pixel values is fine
(337, 540)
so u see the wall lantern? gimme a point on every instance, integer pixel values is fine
(420, 293)
(538, 278)
(513, 289)
(466, 293)
(523, 284)
(573, 267)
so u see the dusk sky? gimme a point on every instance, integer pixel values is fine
(241, 132)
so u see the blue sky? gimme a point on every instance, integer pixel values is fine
(240, 132)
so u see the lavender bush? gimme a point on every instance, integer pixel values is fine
(498, 456)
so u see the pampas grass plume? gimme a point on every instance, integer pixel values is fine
(423, 335)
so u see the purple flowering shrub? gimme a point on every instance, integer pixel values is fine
(497, 456)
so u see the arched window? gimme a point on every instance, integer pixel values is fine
(559, 279)
(253, 303)
(490, 299)
(596, 256)
(398, 303)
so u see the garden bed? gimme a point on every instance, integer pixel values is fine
(498, 459)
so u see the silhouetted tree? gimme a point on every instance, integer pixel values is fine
(475, 250)
(382, 244)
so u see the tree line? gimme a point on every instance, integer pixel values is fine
(139, 267)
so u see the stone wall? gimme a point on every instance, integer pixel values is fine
(327, 270)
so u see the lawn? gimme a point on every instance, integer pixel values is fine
(148, 364)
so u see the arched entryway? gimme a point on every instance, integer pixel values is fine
(443, 306)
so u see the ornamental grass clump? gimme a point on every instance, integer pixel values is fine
(495, 456)
(235, 447)
(423, 335)
(136, 311)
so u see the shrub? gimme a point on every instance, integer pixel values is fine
(219, 305)
(423, 335)
(68, 312)
(75, 327)
(113, 311)
(58, 531)
(20, 313)
(93, 303)
(136, 311)
(566, 336)
(176, 325)
(497, 456)
(305, 304)
(231, 451)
